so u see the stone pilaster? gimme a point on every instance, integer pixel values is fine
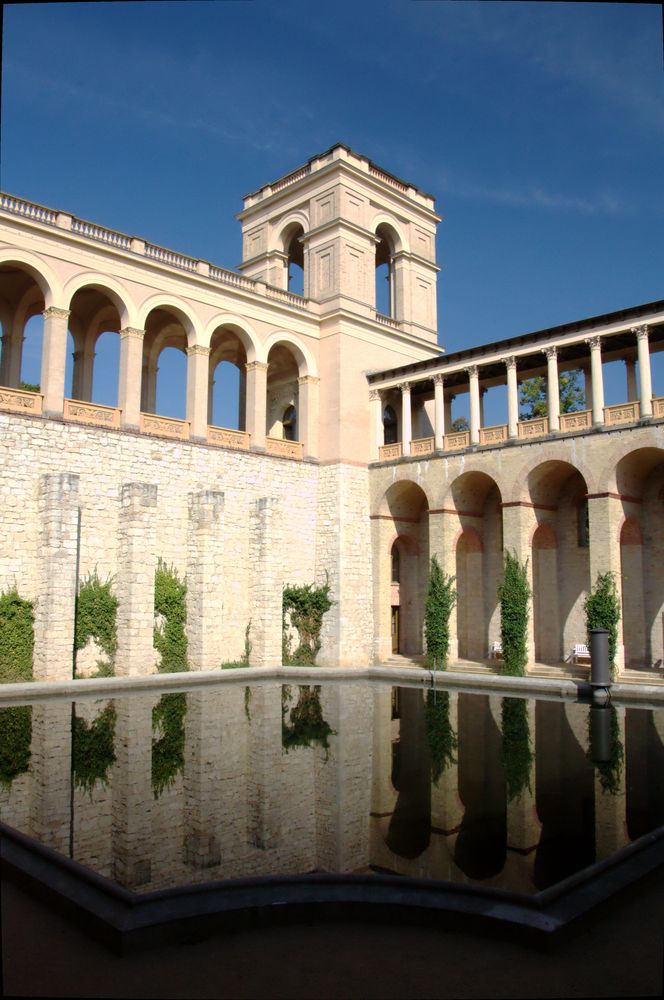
(376, 406)
(519, 522)
(443, 527)
(257, 403)
(58, 570)
(205, 579)
(308, 415)
(198, 359)
(266, 583)
(137, 562)
(129, 378)
(133, 797)
(605, 514)
(54, 358)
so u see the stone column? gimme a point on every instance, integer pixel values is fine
(595, 344)
(54, 359)
(266, 584)
(210, 396)
(58, 570)
(512, 399)
(439, 412)
(137, 562)
(474, 389)
(197, 391)
(257, 403)
(443, 527)
(130, 376)
(376, 407)
(645, 378)
(630, 371)
(242, 400)
(605, 514)
(308, 415)
(205, 580)
(406, 418)
(133, 797)
(552, 388)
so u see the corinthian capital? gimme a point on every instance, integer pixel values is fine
(551, 352)
(472, 371)
(54, 313)
(510, 362)
(404, 386)
(595, 343)
(375, 394)
(439, 379)
(641, 331)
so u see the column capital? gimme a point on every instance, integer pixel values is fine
(132, 331)
(54, 313)
(404, 386)
(641, 332)
(595, 343)
(308, 380)
(551, 352)
(510, 362)
(439, 379)
(375, 394)
(472, 371)
(256, 366)
(204, 352)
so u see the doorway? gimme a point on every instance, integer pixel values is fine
(395, 629)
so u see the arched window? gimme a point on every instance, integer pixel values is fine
(389, 426)
(289, 422)
(294, 250)
(385, 283)
(583, 524)
(396, 565)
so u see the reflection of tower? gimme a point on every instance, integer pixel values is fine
(343, 779)
(132, 791)
(51, 774)
(523, 825)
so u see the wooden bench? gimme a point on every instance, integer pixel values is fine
(496, 650)
(580, 652)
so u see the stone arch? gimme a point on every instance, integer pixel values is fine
(28, 287)
(168, 323)
(97, 313)
(305, 360)
(108, 286)
(519, 489)
(180, 309)
(232, 347)
(400, 239)
(242, 329)
(42, 274)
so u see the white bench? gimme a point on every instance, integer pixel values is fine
(496, 650)
(580, 652)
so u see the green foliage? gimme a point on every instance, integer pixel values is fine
(610, 771)
(169, 601)
(247, 645)
(517, 751)
(514, 595)
(29, 387)
(92, 748)
(441, 737)
(532, 395)
(306, 606)
(441, 598)
(16, 637)
(168, 748)
(602, 607)
(15, 739)
(306, 724)
(460, 424)
(96, 612)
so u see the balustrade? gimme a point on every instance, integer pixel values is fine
(493, 435)
(422, 446)
(388, 452)
(18, 401)
(621, 413)
(537, 427)
(91, 413)
(457, 441)
(99, 233)
(580, 420)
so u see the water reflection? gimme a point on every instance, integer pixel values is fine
(223, 782)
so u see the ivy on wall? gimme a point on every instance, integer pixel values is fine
(306, 606)
(514, 595)
(93, 748)
(17, 637)
(441, 598)
(306, 724)
(516, 749)
(442, 739)
(170, 606)
(96, 614)
(168, 746)
(602, 607)
(15, 739)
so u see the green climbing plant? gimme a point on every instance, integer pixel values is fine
(17, 637)
(514, 594)
(516, 748)
(167, 740)
(170, 639)
(306, 607)
(15, 739)
(303, 724)
(96, 614)
(93, 748)
(442, 739)
(602, 607)
(441, 598)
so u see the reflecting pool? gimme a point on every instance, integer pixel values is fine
(157, 790)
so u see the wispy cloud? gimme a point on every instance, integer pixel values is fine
(535, 196)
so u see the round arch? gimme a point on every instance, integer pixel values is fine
(303, 357)
(108, 286)
(180, 309)
(520, 487)
(41, 272)
(240, 327)
(288, 225)
(383, 219)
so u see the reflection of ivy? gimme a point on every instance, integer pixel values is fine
(168, 749)
(610, 771)
(247, 702)
(441, 737)
(516, 747)
(306, 725)
(92, 749)
(15, 739)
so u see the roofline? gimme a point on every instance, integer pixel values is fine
(578, 326)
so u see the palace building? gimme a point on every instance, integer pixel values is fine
(343, 463)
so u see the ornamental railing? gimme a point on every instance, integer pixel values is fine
(285, 449)
(92, 413)
(152, 423)
(621, 413)
(19, 401)
(226, 438)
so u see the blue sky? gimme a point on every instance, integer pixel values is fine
(538, 127)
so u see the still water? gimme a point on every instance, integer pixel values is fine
(162, 790)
